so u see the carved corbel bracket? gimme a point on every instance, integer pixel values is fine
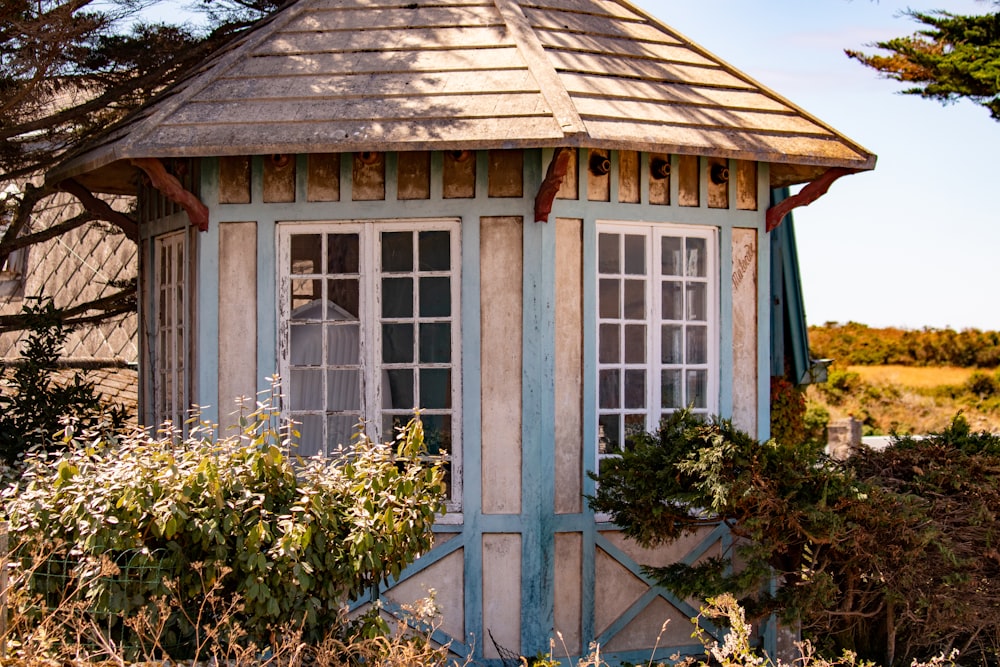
(554, 177)
(172, 189)
(807, 195)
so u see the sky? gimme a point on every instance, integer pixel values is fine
(916, 242)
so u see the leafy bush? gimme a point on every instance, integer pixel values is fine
(292, 540)
(788, 411)
(31, 413)
(891, 554)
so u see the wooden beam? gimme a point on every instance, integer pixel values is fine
(172, 189)
(554, 177)
(807, 195)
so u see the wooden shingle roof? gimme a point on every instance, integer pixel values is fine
(353, 75)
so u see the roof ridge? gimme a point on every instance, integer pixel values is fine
(549, 82)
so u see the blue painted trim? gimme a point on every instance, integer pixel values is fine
(537, 423)
(267, 306)
(589, 401)
(726, 366)
(763, 332)
(206, 390)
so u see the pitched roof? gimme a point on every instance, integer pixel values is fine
(352, 75)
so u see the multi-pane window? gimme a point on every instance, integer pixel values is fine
(170, 388)
(657, 327)
(369, 315)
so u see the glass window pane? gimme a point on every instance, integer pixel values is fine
(696, 259)
(435, 297)
(607, 253)
(310, 435)
(305, 345)
(343, 344)
(342, 253)
(609, 344)
(341, 431)
(435, 251)
(435, 343)
(634, 425)
(305, 253)
(435, 388)
(306, 389)
(670, 256)
(343, 390)
(437, 433)
(635, 255)
(635, 299)
(391, 424)
(609, 434)
(635, 388)
(306, 299)
(671, 394)
(608, 297)
(697, 345)
(673, 300)
(397, 251)
(397, 297)
(397, 343)
(344, 299)
(671, 344)
(697, 302)
(635, 344)
(697, 389)
(609, 389)
(397, 389)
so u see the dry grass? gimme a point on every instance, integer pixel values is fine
(915, 377)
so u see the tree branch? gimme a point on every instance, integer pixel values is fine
(114, 304)
(102, 209)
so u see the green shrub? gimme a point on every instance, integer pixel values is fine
(292, 540)
(34, 407)
(788, 410)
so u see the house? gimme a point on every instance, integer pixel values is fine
(546, 224)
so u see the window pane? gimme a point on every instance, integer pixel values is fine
(397, 297)
(635, 388)
(306, 348)
(435, 251)
(635, 344)
(609, 344)
(306, 389)
(608, 434)
(310, 435)
(672, 345)
(435, 343)
(344, 299)
(697, 302)
(306, 299)
(697, 389)
(671, 396)
(696, 258)
(397, 251)
(607, 253)
(609, 389)
(634, 425)
(343, 390)
(341, 431)
(342, 253)
(670, 257)
(673, 301)
(305, 253)
(635, 255)
(435, 297)
(608, 298)
(435, 388)
(397, 389)
(397, 343)
(437, 433)
(697, 345)
(343, 345)
(635, 299)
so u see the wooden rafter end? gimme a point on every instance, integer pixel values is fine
(807, 195)
(172, 189)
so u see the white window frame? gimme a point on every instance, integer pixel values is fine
(172, 329)
(653, 320)
(370, 321)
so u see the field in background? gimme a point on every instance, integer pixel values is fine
(917, 377)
